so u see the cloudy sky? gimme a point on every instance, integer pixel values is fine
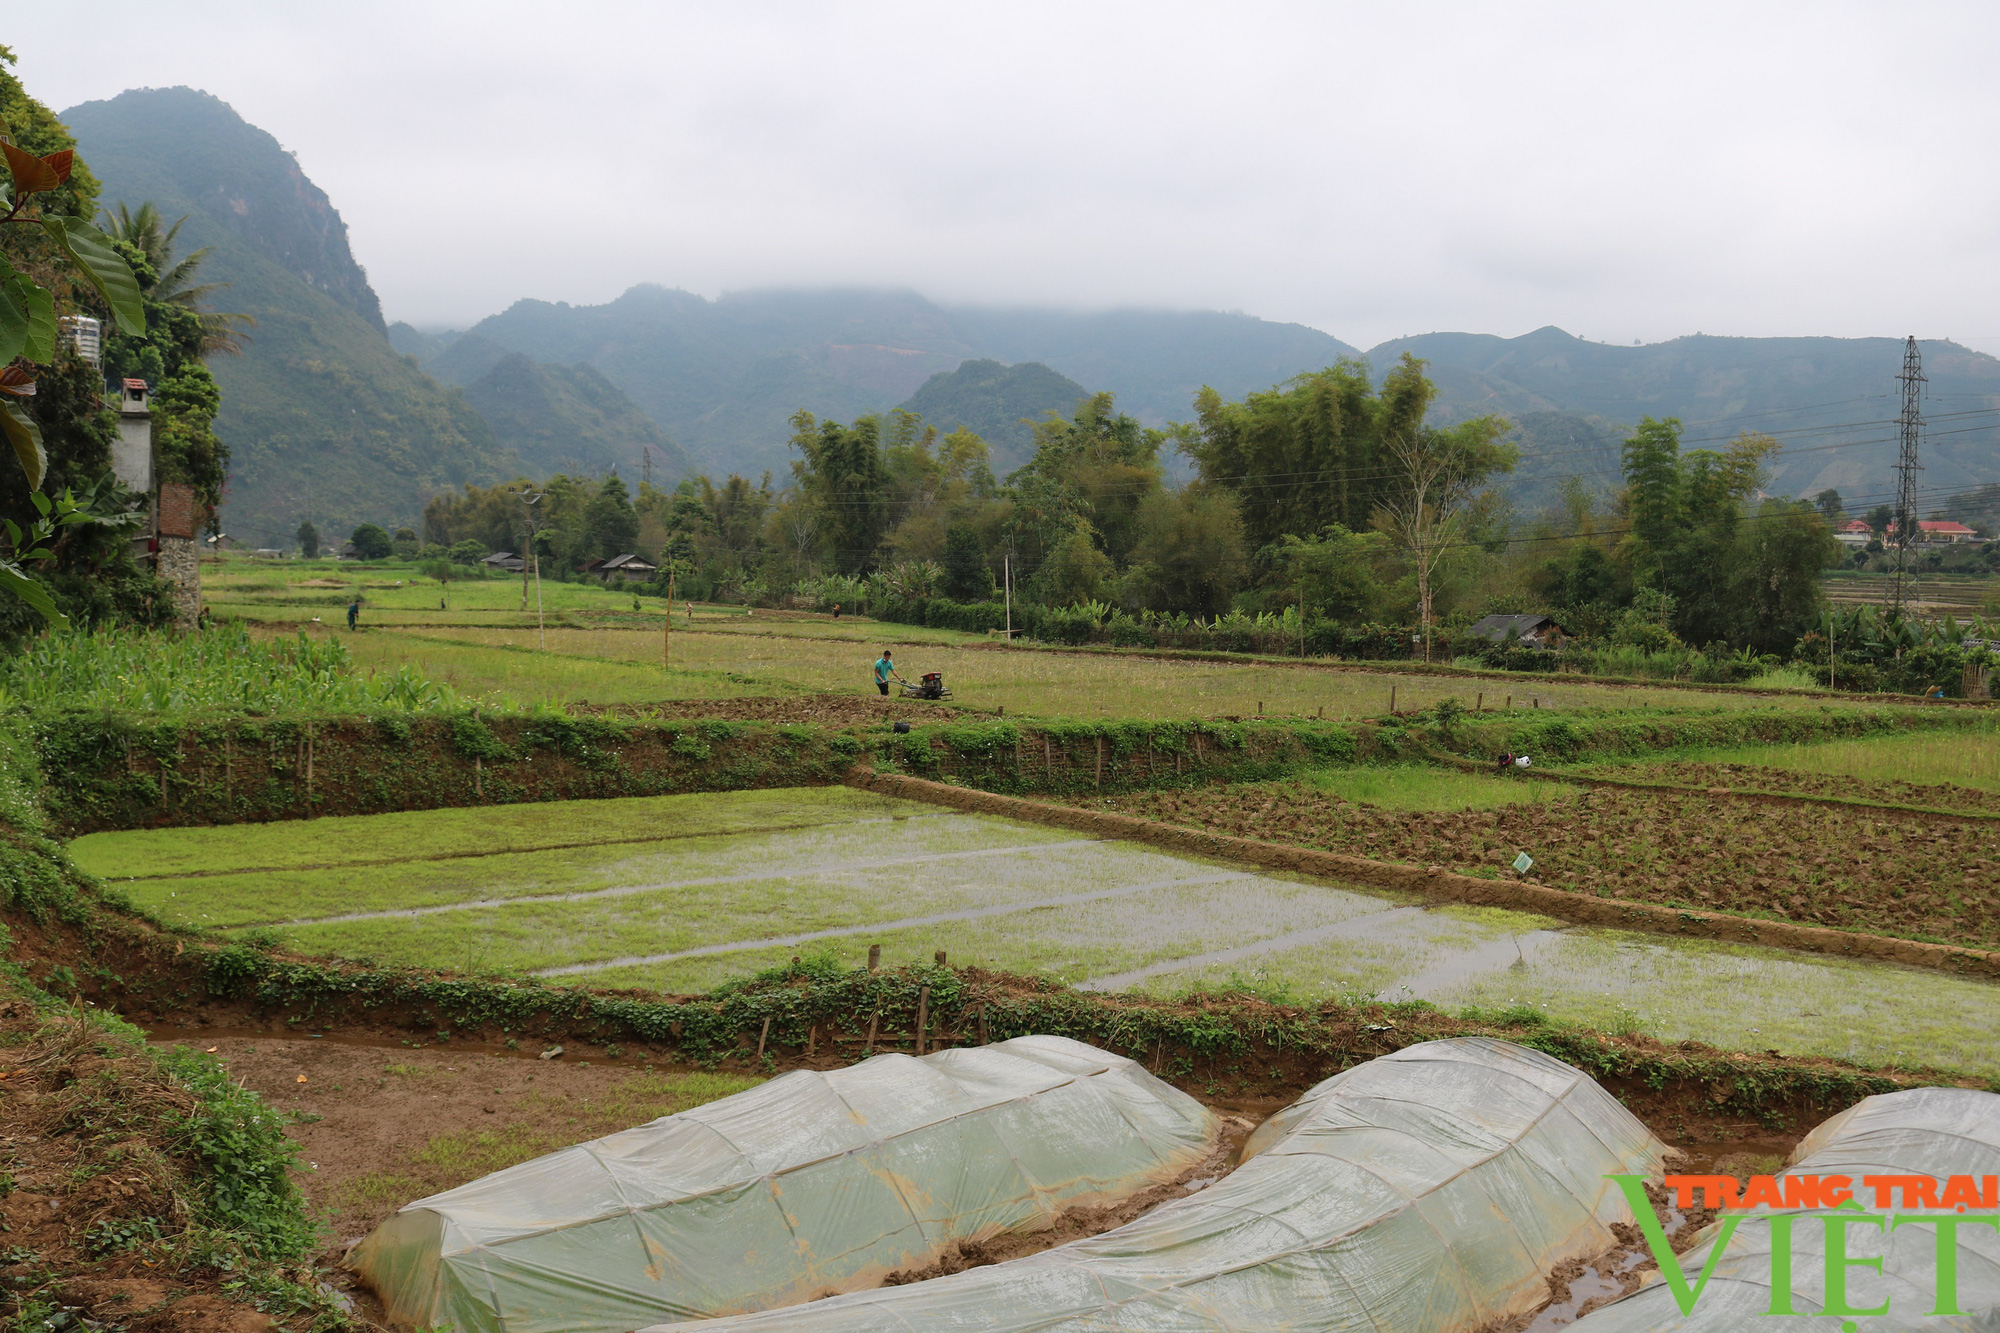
(1627, 172)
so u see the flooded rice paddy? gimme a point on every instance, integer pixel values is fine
(682, 893)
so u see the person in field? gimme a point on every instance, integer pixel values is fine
(353, 612)
(885, 667)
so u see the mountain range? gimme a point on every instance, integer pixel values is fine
(332, 414)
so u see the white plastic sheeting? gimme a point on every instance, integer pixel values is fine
(812, 1182)
(1425, 1192)
(1936, 1132)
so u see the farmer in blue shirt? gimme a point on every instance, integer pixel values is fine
(885, 667)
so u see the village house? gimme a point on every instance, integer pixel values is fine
(1529, 631)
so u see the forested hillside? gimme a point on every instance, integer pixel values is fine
(998, 403)
(553, 417)
(722, 377)
(323, 418)
(1830, 401)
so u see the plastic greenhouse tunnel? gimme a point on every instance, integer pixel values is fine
(808, 1184)
(1429, 1191)
(1934, 1132)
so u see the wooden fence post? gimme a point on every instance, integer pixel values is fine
(923, 1015)
(874, 961)
(762, 1035)
(1100, 760)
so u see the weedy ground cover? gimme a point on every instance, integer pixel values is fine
(1853, 868)
(1920, 763)
(518, 670)
(1416, 787)
(1760, 777)
(1022, 680)
(223, 669)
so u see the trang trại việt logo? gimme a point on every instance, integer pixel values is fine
(1946, 1204)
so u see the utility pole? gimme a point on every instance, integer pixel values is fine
(667, 631)
(1007, 587)
(1910, 426)
(528, 503)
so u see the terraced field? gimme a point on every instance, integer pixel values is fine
(1929, 771)
(683, 893)
(1852, 867)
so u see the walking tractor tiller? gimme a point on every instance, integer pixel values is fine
(930, 686)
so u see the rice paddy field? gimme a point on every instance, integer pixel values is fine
(1875, 868)
(682, 893)
(612, 665)
(1943, 772)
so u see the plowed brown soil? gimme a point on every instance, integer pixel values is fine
(1856, 869)
(1756, 777)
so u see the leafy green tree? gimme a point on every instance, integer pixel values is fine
(1652, 465)
(468, 552)
(308, 539)
(1333, 571)
(1776, 594)
(1311, 451)
(967, 577)
(611, 525)
(1100, 464)
(1426, 499)
(1736, 570)
(842, 469)
(371, 542)
(1075, 570)
(1189, 554)
(51, 261)
(1829, 504)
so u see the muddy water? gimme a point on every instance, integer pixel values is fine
(685, 913)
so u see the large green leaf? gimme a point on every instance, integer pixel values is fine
(90, 249)
(15, 317)
(14, 580)
(26, 437)
(41, 343)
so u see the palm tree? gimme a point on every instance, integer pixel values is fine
(145, 230)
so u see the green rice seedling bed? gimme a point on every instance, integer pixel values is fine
(743, 895)
(486, 830)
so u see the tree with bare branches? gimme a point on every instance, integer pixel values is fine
(1436, 474)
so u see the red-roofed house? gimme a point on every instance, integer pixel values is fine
(1929, 530)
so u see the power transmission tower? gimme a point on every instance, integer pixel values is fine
(646, 474)
(1910, 423)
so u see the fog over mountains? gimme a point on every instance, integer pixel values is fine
(332, 415)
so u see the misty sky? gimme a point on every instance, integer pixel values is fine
(1626, 172)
